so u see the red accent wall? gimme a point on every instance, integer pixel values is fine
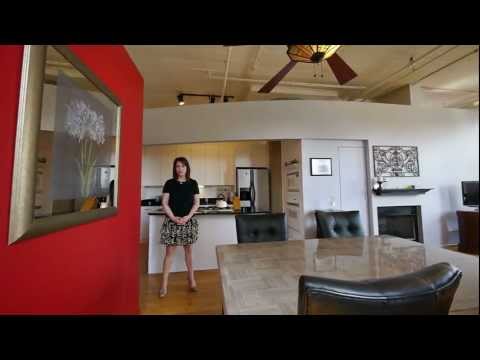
(90, 268)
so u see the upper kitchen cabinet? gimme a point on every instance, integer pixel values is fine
(211, 163)
(259, 154)
(251, 154)
(227, 164)
(195, 155)
(242, 154)
(167, 164)
(153, 157)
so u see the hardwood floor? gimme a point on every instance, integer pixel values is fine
(451, 247)
(179, 300)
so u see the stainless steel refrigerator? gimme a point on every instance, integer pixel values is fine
(253, 187)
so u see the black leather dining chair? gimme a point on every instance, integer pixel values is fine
(260, 227)
(429, 291)
(333, 224)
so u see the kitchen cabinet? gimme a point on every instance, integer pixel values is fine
(227, 164)
(144, 221)
(197, 163)
(212, 166)
(211, 163)
(259, 154)
(153, 159)
(242, 155)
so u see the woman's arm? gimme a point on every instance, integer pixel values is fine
(166, 208)
(193, 210)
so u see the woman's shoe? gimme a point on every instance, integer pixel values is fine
(162, 293)
(192, 288)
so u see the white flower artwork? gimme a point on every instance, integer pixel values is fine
(82, 121)
(87, 127)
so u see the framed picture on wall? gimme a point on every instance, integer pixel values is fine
(396, 161)
(320, 166)
(67, 145)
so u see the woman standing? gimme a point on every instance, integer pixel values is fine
(180, 201)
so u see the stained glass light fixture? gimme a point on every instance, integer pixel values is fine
(311, 53)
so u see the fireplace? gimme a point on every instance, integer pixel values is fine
(401, 221)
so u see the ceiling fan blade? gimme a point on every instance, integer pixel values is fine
(341, 70)
(277, 78)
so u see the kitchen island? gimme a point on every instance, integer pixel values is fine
(216, 227)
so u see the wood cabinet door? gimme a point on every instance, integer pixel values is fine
(259, 156)
(168, 154)
(227, 162)
(212, 168)
(197, 163)
(152, 171)
(242, 155)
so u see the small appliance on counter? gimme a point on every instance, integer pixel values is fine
(221, 204)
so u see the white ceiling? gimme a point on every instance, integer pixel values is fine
(168, 70)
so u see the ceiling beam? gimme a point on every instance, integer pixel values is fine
(418, 71)
(227, 66)
(373, 91)
(297, 91)
(447, 65)
(255, 61)
(288, 83)
(443, 90)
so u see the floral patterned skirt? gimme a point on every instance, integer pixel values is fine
(173, 234)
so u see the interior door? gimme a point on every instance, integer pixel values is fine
(353, 182)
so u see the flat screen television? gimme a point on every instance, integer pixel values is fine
(470, 193)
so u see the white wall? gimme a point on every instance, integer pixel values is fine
(319, 191)
(447, 141)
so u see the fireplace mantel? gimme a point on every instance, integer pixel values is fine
(385, 192)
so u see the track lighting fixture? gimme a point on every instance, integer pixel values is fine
(180, 100)
(211, 98)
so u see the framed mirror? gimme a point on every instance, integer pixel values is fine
(67, 145)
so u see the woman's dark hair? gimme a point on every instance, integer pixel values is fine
(184, 161)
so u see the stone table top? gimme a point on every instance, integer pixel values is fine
(262, 278)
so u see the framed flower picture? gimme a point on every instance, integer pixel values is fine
(67, 145)
(320, 166)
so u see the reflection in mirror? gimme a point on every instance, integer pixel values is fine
(77, 148)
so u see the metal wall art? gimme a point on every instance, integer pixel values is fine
(395, 161)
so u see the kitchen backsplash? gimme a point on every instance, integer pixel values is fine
(210, 191)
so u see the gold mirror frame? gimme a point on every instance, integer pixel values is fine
(22, 222)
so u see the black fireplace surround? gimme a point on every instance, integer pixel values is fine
(401, 221)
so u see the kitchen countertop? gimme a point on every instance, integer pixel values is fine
(212, 212)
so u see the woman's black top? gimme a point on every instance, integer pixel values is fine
(181, 195)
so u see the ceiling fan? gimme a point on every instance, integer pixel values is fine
(313, 54)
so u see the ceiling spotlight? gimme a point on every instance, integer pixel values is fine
(180, 100)
(212, 99)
